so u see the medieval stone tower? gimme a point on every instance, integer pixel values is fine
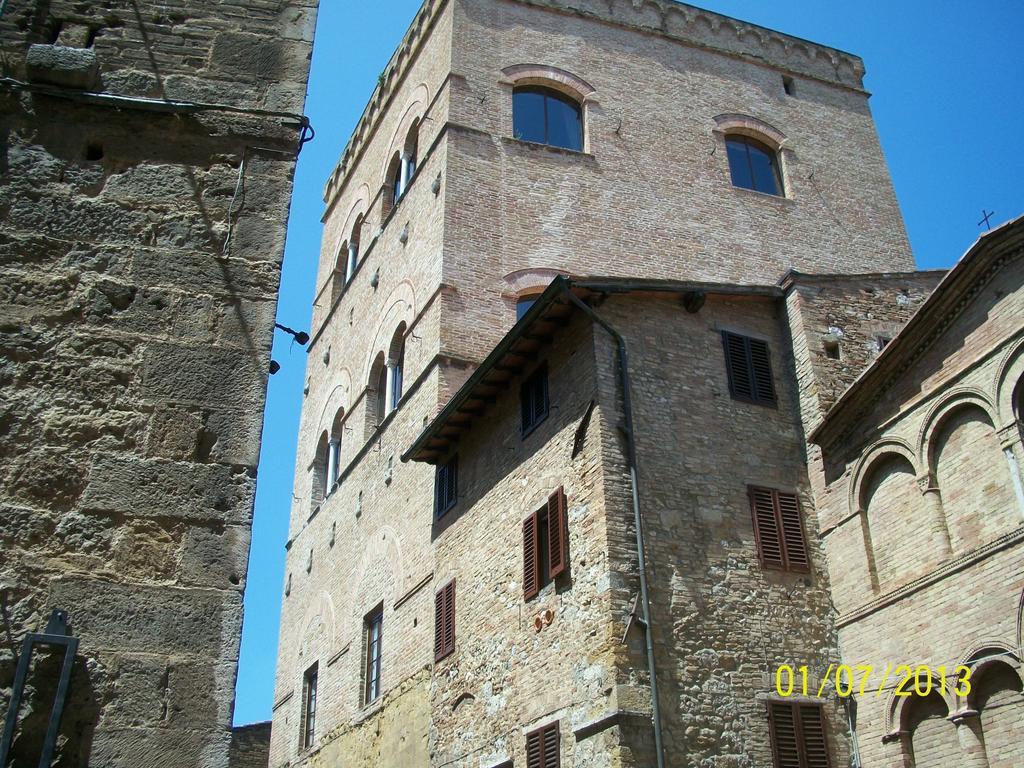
(509, 142)
(146, 158)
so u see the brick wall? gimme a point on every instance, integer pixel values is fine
(141, 256)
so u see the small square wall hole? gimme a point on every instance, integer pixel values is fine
(94, 151)
(832, 350)
(788, 85)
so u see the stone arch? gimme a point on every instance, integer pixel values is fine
(319, 630)
(1009, 385)
(553, 77)
(336, 399)
(891, 505)
(875, 451)
(413, 112)
(996, 687)
(971, 473)
(939, 410)
(931, 737)
(982, 655)
(383, 547)
(746, 125)
(524, 282)
(400, 306)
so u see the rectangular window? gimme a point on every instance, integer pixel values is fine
(543, 747)
(778, 529)
(372, 624)
(749, 368)
(446, 486)
(444, 621)
(545, 545)
(533, 398)
(798, 735)
(308, 719)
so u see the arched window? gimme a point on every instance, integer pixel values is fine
(320, 458)
(396, 366)
(410, 153)
(933, 737)
(393, 182)
(753, 165)
(545, 116)
(996, 694)
(353, 249)
(334, 450)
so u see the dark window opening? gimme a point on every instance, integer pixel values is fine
(832, 350)
(533, 399)
(444, 621)
(445, 486)
(545, 116)
(748, 366)
(753, 165)
(779, 529)
(543, 749)
(788, 85)
(308, 727)
(523, 305)
(798, 735)
(881, 342)
(545, 545)
(373, 626)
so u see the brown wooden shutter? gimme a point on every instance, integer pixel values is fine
(534, 750)
(444, 621)
(531, 561)
(439, 625)
(793, 538)
(543, 747)
(740, 384)
(766, 527)
(557, 534)
(761, 371)
(785, 744)
(815, 743)
(449, 617)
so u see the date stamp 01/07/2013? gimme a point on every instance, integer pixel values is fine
(864, 679)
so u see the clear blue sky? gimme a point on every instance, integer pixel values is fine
(948, 102)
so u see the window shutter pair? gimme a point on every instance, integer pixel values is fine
(444, 621)
(446, 486)
(542, 747)
(778, 529)
(749, 369)
(798, 735)
(556, 543)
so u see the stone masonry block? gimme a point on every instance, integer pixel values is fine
(61, 65)
(151, 488)
(202, 374)
(151, 619)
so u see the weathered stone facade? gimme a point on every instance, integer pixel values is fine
(486, 219)
(147, 159)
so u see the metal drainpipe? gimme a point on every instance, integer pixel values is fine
(645, 604)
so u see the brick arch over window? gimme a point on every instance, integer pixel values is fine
(319, 632)
(972, 476)
(746, 125)
(996, 685)
(337, 399)
(350, 233)
(552, 77)
(400, 306)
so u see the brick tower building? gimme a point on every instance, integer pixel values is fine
(146, 158)
(555, 501)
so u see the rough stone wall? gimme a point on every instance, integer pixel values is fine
(250, 746)
(141, 251)
(722, 623)
(937, 580)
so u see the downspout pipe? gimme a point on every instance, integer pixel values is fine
(631, 458)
